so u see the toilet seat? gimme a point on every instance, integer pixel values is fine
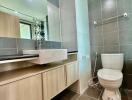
(110, 75)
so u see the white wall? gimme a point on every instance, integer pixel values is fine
(68, 24)
(54, 20)
(82, 21)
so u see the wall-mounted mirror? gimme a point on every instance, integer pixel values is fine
(30, 19)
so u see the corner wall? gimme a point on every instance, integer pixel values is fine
(68, 25)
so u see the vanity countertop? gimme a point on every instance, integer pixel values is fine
(19, 56)
(16, 58)
(15, 75)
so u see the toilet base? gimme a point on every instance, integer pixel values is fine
(111, 94)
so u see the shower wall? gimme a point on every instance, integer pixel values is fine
(113, 37)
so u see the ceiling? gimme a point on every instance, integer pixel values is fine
(34, 8)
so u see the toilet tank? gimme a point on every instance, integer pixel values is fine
(112, 61)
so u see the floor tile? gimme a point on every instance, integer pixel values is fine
(89, 94)
(85, 97)
(124, 94)
(92, 92)
(129, 93)
(67, 95)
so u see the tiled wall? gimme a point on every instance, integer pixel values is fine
(51, 45)
(11, 46)
(113, 37)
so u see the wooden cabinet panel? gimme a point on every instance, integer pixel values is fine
(9, 25)
(72, 73)
(26, 89)
(53, 82)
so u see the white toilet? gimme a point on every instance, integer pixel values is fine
(110, 77)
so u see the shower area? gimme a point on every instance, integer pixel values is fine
(110, 24)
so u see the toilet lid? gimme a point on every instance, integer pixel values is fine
(109, 74)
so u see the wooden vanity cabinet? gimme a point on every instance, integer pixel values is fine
(43, 86)
(25, 89)
(53, 82)
(72, 73)
(56, 80)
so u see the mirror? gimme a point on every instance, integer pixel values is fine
(24, 19)
(30, 19)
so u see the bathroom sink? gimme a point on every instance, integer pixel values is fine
(47, 55)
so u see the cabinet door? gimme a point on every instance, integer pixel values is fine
(72, 72)
(53, 82)
(26, 89)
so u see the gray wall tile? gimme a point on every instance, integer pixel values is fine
(125, 37)
(128, 6)
(111, 38)
(25, 44)
(111, 49)
(125, 23)
(94, 10)
(8, 52)
(11, 46)
(7, 42)
(51, 45)
(96, 38)
(110, 27)
(121, 6)
(109, 8)
(127, 50)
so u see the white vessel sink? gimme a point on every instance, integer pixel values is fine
(47, 55)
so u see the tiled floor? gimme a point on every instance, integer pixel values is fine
(129, 92)
(124, 94)
(90, 94)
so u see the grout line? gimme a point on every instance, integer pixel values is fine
(17, 45)
(92, 97)
(118, 28)
(102, 33)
